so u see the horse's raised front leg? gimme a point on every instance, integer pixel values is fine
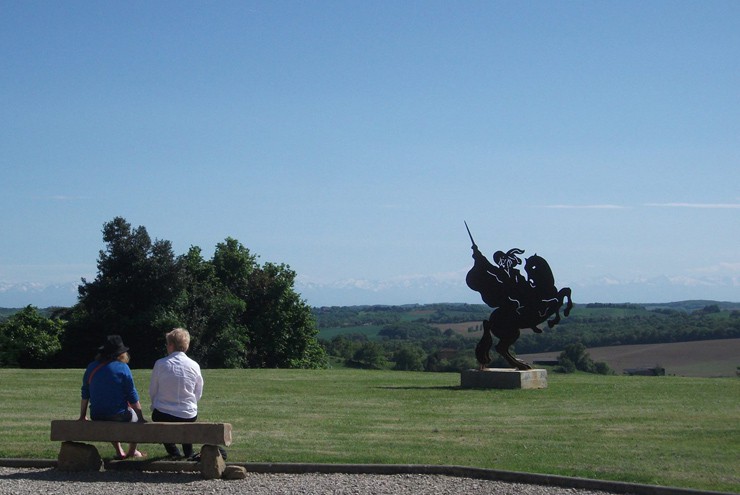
(565, 294)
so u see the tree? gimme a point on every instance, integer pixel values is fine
(233, 265)
(409, 358)
(575, 357)
(211, 314)
(412, 330)
(242, 314)
(281, 327)
(30, 340)
(239, 314)
(343, 346)
(133, 294)
(370, 355)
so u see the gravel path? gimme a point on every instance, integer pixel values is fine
(23, 481)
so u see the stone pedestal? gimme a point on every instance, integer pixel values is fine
(503, 378)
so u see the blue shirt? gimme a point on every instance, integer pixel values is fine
(111, 389)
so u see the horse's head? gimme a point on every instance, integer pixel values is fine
(538, 271)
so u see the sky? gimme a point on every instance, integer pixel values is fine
(351, 140)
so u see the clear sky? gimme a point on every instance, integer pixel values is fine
(351, 139)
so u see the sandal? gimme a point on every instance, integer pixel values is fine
(136, 454)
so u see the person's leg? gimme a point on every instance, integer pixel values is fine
(120, 454)
(187, 448)
(161, 417)
(132, 452)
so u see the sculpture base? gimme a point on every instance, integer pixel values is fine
(503, 378)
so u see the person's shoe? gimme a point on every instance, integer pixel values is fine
(175, 454)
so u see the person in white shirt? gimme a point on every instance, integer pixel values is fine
(176, 387)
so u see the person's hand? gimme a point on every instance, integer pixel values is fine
(139, 416)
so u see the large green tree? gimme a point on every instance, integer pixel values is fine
(282, 329)
(239, 314)
(209, 311)
(261, 321)
(133, 295)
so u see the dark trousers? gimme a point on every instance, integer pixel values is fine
(187, 448)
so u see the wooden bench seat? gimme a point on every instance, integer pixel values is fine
(75, 456)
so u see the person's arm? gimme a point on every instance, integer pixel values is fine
(85, 395)
(83, 409)
(154, 384)
(136, 406)
(131, 394)
(198, 386)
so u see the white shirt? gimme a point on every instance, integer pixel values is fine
(176, 385)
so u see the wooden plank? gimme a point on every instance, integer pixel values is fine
(151, 432)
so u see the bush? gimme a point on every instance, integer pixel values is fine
(566, 365)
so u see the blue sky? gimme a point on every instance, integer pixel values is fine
(350, 140)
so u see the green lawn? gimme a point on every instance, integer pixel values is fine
(670, 431)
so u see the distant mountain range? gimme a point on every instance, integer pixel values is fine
(423, 290)
(39, 295)
(426, 290)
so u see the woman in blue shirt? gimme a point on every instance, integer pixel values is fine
(108, 388)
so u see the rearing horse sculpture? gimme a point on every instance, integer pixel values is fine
(518, 302)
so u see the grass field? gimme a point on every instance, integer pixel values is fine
(669, 431)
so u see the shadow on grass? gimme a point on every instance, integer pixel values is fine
(416, 387)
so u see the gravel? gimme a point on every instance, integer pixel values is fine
(22, 481)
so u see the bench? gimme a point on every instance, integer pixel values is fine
(77, 456)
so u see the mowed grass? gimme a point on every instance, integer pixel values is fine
(669, 431)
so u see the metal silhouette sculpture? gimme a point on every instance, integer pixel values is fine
(518, 302)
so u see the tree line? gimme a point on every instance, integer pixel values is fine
(239, 313)
(414, 340)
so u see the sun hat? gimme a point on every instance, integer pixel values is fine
(112, 347)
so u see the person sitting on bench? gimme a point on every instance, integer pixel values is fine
(176, 387)
(108, 387)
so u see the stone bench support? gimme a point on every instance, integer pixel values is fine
(76, 456)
